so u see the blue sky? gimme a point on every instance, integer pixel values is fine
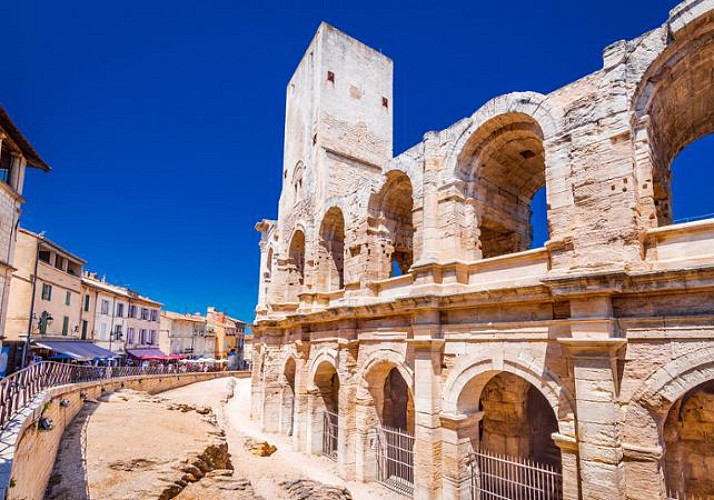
(164, 120)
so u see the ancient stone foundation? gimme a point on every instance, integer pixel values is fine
(406, 321)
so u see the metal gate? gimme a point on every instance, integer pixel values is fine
(395, 460)
(497, 477)
(329, 434)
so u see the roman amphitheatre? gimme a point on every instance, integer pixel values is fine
(407, 329)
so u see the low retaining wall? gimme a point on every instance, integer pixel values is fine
(27, 454)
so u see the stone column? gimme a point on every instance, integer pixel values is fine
(644, 474)
(430, 228)
(302, 376)
(347, 433)
(315, 410)
(594, 362)
(427, 403)
(569, 462)
(272, 391)
(459, 439)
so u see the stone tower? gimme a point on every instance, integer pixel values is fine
(338, 119)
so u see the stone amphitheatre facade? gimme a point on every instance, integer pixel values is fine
(407, 329)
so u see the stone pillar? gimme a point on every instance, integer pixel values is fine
(431, 234)
(594, 362)
(272, 395)
(315, 411)
(256, 382)
(569, 463)
(427, 403)
(365, 442)
(644, 474)
(459, 439)
(347, 433)
(302, 376)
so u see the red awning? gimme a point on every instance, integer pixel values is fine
(149, 354)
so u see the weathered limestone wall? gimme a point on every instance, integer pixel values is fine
(610, 322)
(29, 454)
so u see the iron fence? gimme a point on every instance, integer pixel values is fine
(680, 495)
(18, 389)
(395, 460)
(498, 477)
(329, 434)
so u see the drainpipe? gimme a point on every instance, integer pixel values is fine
(26, 346)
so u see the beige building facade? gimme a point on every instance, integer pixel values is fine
(117, 318)
(223, 329)
(186, 335)
(400, 296)
(46, 285)
(16, 154)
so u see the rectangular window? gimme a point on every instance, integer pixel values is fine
(84, 329)
(86, 302)
(154, 315)
(59, 262)
(105, 307)
(144, 313)
(68, 298)
(132, 311)
(46, 291)
(130, 335)
(152, 337)
(142, 336)
(120, 310)
(118, 332)
(65, 325)
(45, 256)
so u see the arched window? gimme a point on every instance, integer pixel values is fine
(687, 435)
(296, 266)
(391, 210)
(675, 106)
(504, 164)
(331, 252)
(297, 180)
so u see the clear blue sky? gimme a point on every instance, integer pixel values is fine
(164, 120)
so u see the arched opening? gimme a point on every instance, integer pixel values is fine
(509, 423)
(676, 107)
(392, 219)
(504, 165)
(386, 408)
(331, 252)
(296, 266)
(517, 420)
(287, 413)
(325, 410)
(396, 403)
(689, 448)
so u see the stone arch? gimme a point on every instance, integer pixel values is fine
(288, 378)
(391, 219)
(471, 368)
(667, 115)
(331, 251)
(646, 415)
(500, 164)
(296, 265)
(323, 356)
(372, 379)
(545, 113)
(297, 180)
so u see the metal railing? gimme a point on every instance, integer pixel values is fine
(395, 460)
(680, 495)
(18, 389)
(499, 477)
(330, 429)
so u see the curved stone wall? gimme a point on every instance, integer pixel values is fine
(27, 454)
